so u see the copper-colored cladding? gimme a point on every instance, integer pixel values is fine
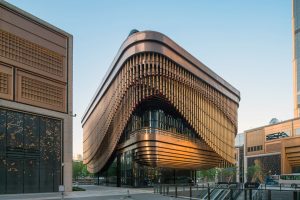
(170, 149)
(149, 64)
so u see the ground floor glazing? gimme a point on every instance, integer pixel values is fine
(30, 152)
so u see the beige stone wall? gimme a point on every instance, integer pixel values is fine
(36, 72)
(288, 147)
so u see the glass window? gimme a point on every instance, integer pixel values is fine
(2, 131)
(14, 131)
(297, 131)
(31, 133)
(31, 175)
(31, 161)
(14, 179)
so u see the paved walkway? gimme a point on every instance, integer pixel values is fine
(93, 193)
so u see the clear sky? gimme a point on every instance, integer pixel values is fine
(248, 43)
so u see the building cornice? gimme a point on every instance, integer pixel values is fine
(151, 41)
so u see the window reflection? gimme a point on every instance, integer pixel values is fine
(30, 152)
(157, 119)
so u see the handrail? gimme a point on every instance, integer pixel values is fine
(257, 193)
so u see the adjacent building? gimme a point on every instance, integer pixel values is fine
(35, 104)
(159, 115)
(239, 156)
(275, 148)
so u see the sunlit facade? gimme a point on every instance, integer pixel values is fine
(274, 148)
(35, 104)
(159, 115)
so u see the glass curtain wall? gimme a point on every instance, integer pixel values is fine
(30, 153)
(153, 117)
(157, 119)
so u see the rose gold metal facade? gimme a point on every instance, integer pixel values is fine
(150, 65)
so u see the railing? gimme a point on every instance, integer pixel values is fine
(168, 133)
(226, 192)
(257, 194)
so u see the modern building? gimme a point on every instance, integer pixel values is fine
(35, 104)
(159, 115)
(296, 55)
(275, 148)
(239, 156)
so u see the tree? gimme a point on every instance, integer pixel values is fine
(254, 173)
(229, 173)
(77, 169)
(208, 175)
(80, 170)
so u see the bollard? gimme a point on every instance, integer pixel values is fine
(160, 189)
(208, 193)
(269, 195)
(295, 195)
(167, 190)
(128, 194)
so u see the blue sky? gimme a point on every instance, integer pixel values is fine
(248, 43)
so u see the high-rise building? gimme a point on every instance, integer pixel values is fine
(35, 104)
(296, 55)
(159, 115)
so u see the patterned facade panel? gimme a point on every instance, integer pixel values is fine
(30, 56)
(6, 83)
(273, 147)
(30, 152)
(40, 92)
(211, 114)
(269, 165)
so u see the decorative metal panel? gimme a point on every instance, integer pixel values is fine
(5, 82)
(25, 52)
(40, 92)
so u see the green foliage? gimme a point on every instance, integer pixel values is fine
(78, 189)
(207, 175)
(80, 170)
(254, 173)
(227, 174)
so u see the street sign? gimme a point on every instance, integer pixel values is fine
(61, 188)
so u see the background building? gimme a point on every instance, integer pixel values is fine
(158, 115)
(35, 104)
(296, 54)
(275, 148)
(239, 156)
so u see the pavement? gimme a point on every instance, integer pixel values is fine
(93, 193)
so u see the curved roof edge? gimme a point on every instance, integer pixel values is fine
(152, 41)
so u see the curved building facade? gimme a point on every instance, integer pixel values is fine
(158, 112)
